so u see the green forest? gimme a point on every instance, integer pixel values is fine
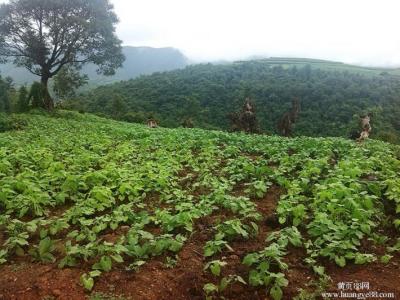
(331, 100)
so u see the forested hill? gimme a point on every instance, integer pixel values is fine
(139, 61)
(207, 93)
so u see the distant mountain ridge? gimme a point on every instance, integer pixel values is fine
(139, 61)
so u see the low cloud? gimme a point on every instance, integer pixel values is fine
(360, 32)
(363, 32)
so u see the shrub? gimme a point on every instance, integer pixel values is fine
(5, 122)
(11, 122)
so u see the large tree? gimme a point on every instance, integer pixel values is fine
(67, 81)
(45, 35)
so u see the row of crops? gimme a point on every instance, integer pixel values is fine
(69, 181)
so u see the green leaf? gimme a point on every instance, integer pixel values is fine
(215, 269)
(240, 279)
(105, 264)
(48, 257)
(320, 270)
(361, 258)
(95, 273)
(396, 223)
(276, 292)
(117, 258)
(365, 228)
(295, 241)
(210, 288)
(340, 261)
(45, 246)
(280, 280)
(223, 284)
(385, 259)
(43, 233)
(250, 259)
(87, 282)
(3, 255)
(395, 247)
(31, 227)
(255, 278)
(175, 246)
(263, 266)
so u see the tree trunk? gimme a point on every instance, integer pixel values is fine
(48, 101)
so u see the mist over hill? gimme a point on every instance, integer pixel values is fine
(139, 61)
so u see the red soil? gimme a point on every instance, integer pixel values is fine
(154, 281)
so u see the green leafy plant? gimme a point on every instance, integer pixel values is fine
(261, 273)
(215, 266)
(211, 289)
(43, 251)
(3, 256)
(87, 280)
(171, 262)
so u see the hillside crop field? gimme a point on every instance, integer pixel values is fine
(97, 209)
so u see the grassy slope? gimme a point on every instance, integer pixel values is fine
(123, 193)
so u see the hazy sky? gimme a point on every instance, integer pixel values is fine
(363, 32)
(354, 31)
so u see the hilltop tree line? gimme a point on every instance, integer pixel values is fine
(208, 95)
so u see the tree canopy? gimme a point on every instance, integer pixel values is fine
(67, 81)
(330, 100)
(5, 87)
(45, 35)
